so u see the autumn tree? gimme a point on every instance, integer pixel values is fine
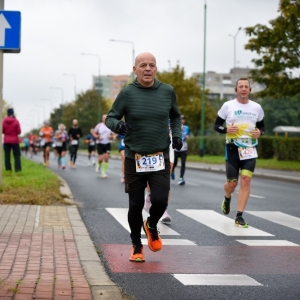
(283, 112)
(278, 47)
(188, 97)
(85, 109)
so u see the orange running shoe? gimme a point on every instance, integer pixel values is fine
(154, 240)
(137, 253)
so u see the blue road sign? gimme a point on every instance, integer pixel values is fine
(10, 31)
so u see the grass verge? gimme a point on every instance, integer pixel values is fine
(35, 185)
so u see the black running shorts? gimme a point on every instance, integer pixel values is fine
(91, 148)
(234, 164)
(135, 181)
(103, 148)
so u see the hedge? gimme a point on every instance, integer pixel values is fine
(280, 148)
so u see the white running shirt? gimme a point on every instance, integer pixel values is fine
(104, 132)
(245, 116)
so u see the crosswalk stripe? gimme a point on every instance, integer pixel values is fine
(221, 223)
(173, 242)
(120, 214)
(216, 279)
(267, 243)
(279, 218)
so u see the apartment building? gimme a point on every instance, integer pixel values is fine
(221, 85)
(110, 85)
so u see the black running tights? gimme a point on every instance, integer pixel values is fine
(159, 203)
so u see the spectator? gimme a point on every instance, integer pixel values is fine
(11, 130)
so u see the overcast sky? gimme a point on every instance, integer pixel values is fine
(56, 32)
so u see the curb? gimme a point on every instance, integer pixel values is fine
(102, 287)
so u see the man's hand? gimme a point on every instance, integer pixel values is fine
(256, 133)
(176, 143)
(123, 127)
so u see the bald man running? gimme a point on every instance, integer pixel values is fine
(147, 104)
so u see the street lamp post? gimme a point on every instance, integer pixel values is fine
(43, 107)
(202, 131)
(100, 90)
(38, 116)
(75, 92)
(133, 52)
(234, 46)
(62, 99)
(45, 99)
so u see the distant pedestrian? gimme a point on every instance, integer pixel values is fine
(103, 135)
(182, 153)
(46, 133)
(26, 144)
(75, 134)
(90, 140)
(11, 131)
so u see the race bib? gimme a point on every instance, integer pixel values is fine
(58, 144)
(92, 143)
(42, 142)
(247, 152)
(149, 162)
(122, 143)
(74, 142)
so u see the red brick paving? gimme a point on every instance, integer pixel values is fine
(38, 261)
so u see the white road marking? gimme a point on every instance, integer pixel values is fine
(221, 223)
(267, 243)
(216, 279)
(173, 242)
(120, 214)
(279, 218)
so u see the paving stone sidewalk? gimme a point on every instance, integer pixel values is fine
(46, 253)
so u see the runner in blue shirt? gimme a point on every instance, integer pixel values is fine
(121, 148)
(182, 153)
(90, 140)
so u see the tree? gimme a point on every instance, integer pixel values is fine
(282, 112)
(279, 49)
(188, 94)
(85, 109)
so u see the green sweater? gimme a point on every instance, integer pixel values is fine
(147, 110)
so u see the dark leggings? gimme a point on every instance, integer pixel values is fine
(182, 155)
(159, 203)
(73, 153)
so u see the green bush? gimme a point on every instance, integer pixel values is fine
(280, 148)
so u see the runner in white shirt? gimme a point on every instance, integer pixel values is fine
(244, 125)
(103, 135)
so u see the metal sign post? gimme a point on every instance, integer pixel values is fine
(10, 37)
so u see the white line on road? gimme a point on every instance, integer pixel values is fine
(279, 218)
(120, 214)
(221, 223)
(173, 242)
(216, 279)
(267, 243)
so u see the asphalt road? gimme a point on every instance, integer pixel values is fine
(204, 255)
